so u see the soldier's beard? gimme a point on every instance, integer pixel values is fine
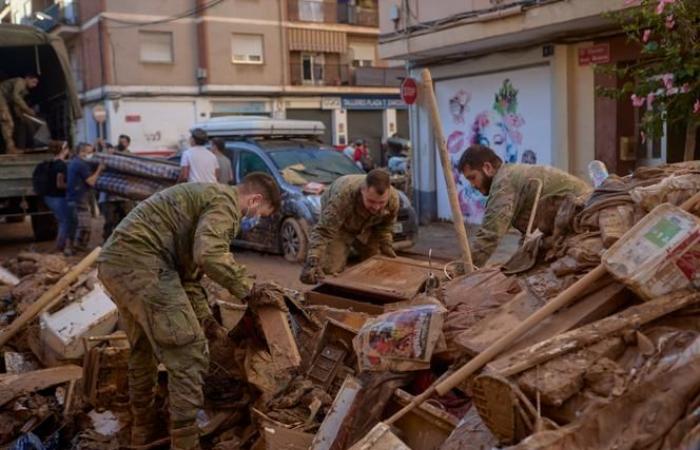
(486, 183)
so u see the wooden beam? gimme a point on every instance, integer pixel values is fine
(12, 386)
(279, 337)
(631, 317)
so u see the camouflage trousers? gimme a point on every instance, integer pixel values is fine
(161, 326)
(7, 126)
(340, 249)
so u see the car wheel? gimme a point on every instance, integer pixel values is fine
(293, 240)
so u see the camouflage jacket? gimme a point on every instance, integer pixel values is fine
(510, 202)
(344, 216)
(14, 90)
(189, 228)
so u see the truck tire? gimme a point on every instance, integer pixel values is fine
(45, 227)
(293, 240)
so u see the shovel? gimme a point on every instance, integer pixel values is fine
(526, 256)
(381, 437)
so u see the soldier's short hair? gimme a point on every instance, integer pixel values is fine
(379, 179)
(199, 136)
(476, 155)
(263, 184)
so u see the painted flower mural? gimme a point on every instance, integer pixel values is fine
(505, 105)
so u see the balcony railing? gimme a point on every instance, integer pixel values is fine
(56, 15)
(324, 74)
(332, 12)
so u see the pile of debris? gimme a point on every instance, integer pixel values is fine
(618, 366)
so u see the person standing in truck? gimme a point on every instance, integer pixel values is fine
(12, 93)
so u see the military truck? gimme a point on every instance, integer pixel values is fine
(25, 50)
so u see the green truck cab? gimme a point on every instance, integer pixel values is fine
(25, 49)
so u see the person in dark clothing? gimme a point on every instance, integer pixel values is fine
(112, 207)
(55, 196)
(80, 179)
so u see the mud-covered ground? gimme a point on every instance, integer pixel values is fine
(440, 237)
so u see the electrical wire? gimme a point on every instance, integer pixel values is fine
(188, 13)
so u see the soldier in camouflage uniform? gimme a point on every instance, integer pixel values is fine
(12, 93)
(511, 194)
(151, 265)
(357, 211)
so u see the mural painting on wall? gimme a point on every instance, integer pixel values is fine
(494, 119)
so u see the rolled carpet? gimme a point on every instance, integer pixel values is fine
(139, 166)
(129, 186)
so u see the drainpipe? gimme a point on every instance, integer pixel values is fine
(202, 73)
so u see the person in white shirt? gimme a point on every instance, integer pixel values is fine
(199, 165)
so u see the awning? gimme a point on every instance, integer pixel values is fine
(321, 41)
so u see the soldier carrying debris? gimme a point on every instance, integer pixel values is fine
(357, 211)
(511, 196)
(12, 93)
(151, 266)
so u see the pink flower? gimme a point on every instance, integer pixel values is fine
(670, 22)
(646, 36)
(650, 99)
(643, 136)
(513, 120)
(455, 142)
(667, 78)
(685, 88)
(637, 102)
(696, 106)
(662, 4)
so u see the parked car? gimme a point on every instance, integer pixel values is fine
(289, 150)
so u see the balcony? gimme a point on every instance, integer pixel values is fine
(324, 74)
(333, 12)
(60, 18)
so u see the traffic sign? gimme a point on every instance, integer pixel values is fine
(99, 113)
(409, 90)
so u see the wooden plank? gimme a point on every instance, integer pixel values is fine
(477, 338)
(631, 317)
(12, 386)
(279, 337)
(595, 306)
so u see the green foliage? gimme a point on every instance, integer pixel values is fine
(664, 82)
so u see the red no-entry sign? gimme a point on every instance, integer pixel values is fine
(409, 91)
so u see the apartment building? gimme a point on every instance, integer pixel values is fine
(520, 77)
(158, 66)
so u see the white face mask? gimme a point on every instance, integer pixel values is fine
(88, 157)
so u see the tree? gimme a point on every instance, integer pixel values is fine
(664, 82)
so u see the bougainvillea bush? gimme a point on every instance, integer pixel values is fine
(664, 82)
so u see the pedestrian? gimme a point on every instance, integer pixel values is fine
(225, 174)
(80, 179)
(199, 165)
(12, 93)
(113, 207)
(357, 211)
(511, 195)
(152, 266)
(123, 143)
(52, 188)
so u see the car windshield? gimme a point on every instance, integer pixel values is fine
(302, 166)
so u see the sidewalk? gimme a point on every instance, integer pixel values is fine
(441, 238)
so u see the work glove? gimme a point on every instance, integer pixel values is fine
(312, 272)
(267, 294)
(213, 330)
(387, 250)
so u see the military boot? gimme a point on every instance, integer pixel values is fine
(184, 436)
(144, 429)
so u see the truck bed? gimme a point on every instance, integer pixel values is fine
(16, 173)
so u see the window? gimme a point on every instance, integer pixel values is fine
(156, 46)
(311, 10)
(362, 54)
(312, 68)
(247, 48)
(249, 162)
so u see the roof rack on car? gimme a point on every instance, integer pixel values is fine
(259, 126)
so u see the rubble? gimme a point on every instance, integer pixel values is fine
(327, 369)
